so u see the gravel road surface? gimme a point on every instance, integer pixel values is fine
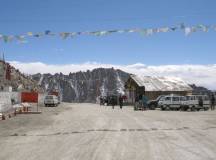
(93, 132)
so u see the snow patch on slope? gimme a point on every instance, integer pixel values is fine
(74, 88)
(120, 84)
(41, 79)
(103, 89)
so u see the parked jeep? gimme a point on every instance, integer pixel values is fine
(172, 102)
(153, 104)
(197, 102)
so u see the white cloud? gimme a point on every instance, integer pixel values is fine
(204, 75)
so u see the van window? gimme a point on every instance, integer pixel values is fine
(205, 98)
(162, 99)
(167, 98)
(199, 97)
(189, 98)
(183, 98)
(175, 98)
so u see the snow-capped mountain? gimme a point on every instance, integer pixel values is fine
(84, 86)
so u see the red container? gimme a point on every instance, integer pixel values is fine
(31, 97)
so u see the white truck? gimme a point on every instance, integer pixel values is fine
(197, 102)
(172, 102)
(51, 100)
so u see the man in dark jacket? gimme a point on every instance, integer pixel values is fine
(113, 102)
(120, 101)
(212, 102)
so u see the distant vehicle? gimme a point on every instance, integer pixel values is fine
(51, 100)
(153, 104)
(55, 93)
(172, 102)
(197, 102)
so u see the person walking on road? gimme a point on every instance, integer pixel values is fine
(120, 101)
(212, 102)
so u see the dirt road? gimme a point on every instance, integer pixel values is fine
(91, 132)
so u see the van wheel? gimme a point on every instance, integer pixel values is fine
(193, 108)
(162, 108)
(198, 109)
(206, 109)
(182, 108)
(167, 108)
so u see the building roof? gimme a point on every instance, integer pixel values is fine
(161, 83)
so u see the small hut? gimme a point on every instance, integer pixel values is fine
(154, 86)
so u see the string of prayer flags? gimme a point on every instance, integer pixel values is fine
(29, 34)
(64, 35)
(144, 31)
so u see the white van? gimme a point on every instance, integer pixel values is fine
(51, 100)
(172, 102)
(197, 102)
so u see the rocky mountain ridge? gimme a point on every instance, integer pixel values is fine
(84, 86)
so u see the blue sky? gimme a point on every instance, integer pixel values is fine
(21, 16)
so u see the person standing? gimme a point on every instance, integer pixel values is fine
(120, 101)
(200, 101)
(212, 102)
(113, 102)
(101, 100)
(144, 101)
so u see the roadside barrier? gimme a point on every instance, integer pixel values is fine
(23, 108)
(7, 115)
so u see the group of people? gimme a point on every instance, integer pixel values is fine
(113, 101)
(141, 102)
